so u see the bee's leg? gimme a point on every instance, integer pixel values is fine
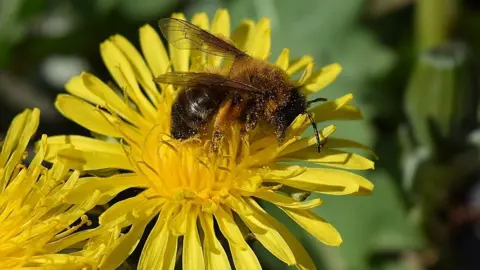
(280, 132)
(240, 112)
(220, 122)
(320, 143)
(310, 102)
(243, 113)
(251, 121)
(238, 107)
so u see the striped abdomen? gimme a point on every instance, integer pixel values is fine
(193, 109)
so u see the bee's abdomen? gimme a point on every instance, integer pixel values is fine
(193, 109)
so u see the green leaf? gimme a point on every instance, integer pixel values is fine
(433, 22)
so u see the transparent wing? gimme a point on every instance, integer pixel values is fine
(184, 35)
(203, 79)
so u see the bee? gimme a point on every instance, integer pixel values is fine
(252, 91)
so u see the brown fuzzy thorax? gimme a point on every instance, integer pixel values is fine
(266, 77)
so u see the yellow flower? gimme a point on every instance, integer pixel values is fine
(34, 219)
(183, 183)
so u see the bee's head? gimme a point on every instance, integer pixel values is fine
(285, 114)
(296, 104)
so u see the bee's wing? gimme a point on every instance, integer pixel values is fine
(204, 79)
(184, 35)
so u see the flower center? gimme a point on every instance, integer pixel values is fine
(189, 170)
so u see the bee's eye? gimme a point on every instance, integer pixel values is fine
(295, 106)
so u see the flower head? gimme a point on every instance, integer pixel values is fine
(186, 188)
(34, 219)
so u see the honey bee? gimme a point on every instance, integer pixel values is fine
(252, 91)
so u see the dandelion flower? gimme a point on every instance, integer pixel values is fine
(188, 190)
(34, 219)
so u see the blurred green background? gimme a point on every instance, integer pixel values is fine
(413, 67)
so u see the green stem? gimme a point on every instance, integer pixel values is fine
(433, 21)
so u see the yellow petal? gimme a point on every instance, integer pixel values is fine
(307, 72)
(266, 234)
(14, 134)
(298, 64)
(179, 57)
(155, 135)
(344, 143)
(121, 70)
(242, 35)
(160, 249)
(111, 99)
(201, 20)
(73, 239)
(142, 73)
(76, 211)
(18, 136)
(85, 115)
(40, 152)
(149, 173)
(283, 59)
(315, 225)
(332, 158)
(321, 78)
(259, 45)
(347, 112)
(338, 109)
(266, 154)
(129, 133)
(250, 184)
(180, 222)
(109, 187)
(125, 244)
(215, 256)
(120, 209)
(300, 144)
(261, 144)
(298, 126)
(154, 51)
(332, 105)
(90, 88)
(93, 160)
(57, 143)
(304, 261)
(283, 171)
(328, 110)
(60, 261)
(329, 181)
(285, 201)
(244, 259)
(237, 204)
(221, 28)
(192, 248)
(76, 87)
(228, 227)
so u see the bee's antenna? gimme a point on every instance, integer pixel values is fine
(317, 136)
(316, 100)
